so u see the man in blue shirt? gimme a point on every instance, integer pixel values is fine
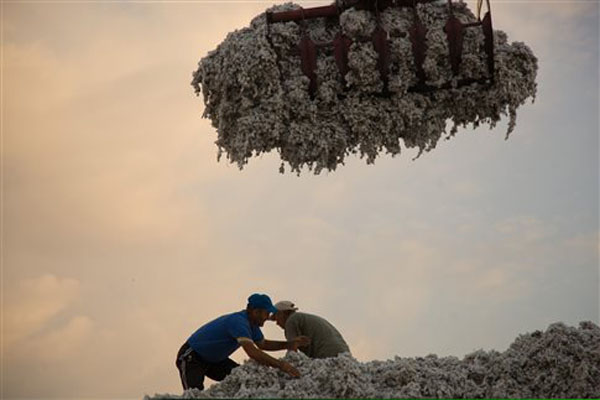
(207, 351)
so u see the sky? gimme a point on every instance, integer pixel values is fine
(122, 234)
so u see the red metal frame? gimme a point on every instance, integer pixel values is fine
(454, 30)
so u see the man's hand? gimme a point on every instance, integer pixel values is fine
(260, 356)
(290, 369)
(298, 341)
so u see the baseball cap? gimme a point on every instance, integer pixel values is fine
(285, 305)
(261, 301)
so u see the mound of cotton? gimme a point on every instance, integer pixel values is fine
(562, 362)
(257, 97)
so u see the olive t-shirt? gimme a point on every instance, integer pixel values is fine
(326, 341)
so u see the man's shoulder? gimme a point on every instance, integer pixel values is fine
(238, 324)
(296, 317)
(238, 317)
(303, 315)
(309, 319)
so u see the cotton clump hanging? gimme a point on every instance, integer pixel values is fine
(360, 77)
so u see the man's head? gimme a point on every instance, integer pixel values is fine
(259, 308)
(285, 308)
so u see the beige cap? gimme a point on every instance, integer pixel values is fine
(285, 305)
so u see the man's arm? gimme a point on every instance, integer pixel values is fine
(274, 345)
(293, 332)
(263, 358)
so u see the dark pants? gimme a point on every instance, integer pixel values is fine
(193, 369)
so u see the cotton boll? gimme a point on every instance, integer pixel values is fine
(357, 23)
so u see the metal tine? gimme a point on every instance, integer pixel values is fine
(418, 34)
(382, 47)
(488, 40)
(454, 32)
(488, 35)
(341, 48)
(308, 58)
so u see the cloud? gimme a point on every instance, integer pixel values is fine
(84, 146)
(586, 243)
(524, 229)
(388, 276)
(31, 304)
(65, 343)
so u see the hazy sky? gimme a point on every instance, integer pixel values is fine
(121, 234)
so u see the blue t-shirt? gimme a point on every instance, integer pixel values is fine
(216, 340)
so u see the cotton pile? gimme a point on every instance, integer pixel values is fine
(562, 362)
(257, 97)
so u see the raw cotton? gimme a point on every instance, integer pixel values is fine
(257, 97)
(562, 362)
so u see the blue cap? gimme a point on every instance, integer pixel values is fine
(261, 301)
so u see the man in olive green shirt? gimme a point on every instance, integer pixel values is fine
(325, 340)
